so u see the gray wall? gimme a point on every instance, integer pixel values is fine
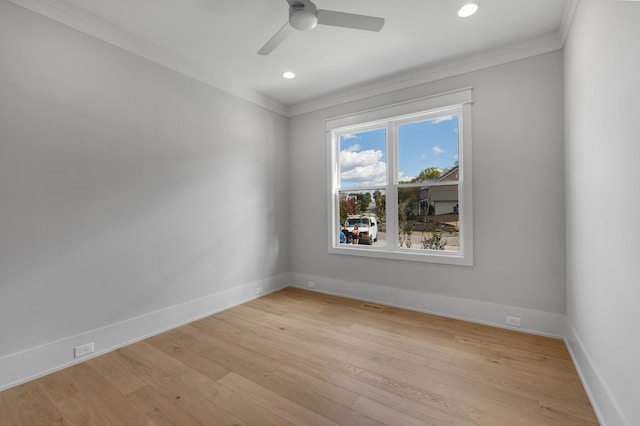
(602, 65)
(124, 187)
(518, 193)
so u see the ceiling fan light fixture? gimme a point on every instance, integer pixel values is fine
(302, 19)
(467, 10)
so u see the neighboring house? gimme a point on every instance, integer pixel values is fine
(443, 199)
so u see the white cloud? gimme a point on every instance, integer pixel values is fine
(437, 150)
(441, 119)
(404, 178)
(350, 159)
(352, 148)
(362, 167)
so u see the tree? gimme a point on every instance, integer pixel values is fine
(431, 173)
(347, 207)
(364, 200)
(408, 196)
(381, 204)
(406, 229)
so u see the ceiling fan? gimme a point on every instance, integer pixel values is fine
(304, 15)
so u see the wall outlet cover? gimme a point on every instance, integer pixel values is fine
(514, 321)
(83, 350)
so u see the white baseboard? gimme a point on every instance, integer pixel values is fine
(20, 367)
(533, 321)
(604, 404)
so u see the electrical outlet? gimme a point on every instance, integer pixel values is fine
(311, 284)
(514, 321)
(259, 290)
(83, 350)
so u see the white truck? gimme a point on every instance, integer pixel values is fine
(367, 225)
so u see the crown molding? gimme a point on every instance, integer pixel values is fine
(567, 20)
(427, 74)
(95, 27)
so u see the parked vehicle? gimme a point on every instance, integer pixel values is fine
(367, 225)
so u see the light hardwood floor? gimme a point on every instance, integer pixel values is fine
(296, 357)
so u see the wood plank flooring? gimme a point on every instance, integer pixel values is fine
(301, 358)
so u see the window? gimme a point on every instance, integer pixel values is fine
(400, 181)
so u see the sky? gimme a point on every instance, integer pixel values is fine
(421, 144)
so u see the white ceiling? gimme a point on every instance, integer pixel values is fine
(216, 41)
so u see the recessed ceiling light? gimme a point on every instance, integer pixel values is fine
(467, 10)
(288, 75)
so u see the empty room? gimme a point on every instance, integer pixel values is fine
(290, 212)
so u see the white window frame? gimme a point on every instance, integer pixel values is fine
(457, 101)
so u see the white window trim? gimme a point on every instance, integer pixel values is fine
(458, 99)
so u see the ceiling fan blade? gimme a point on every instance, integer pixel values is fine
(350, 20)
(275, 41)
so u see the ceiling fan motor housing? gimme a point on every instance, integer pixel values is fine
(301, 18)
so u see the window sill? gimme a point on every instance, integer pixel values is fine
(427, 256)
